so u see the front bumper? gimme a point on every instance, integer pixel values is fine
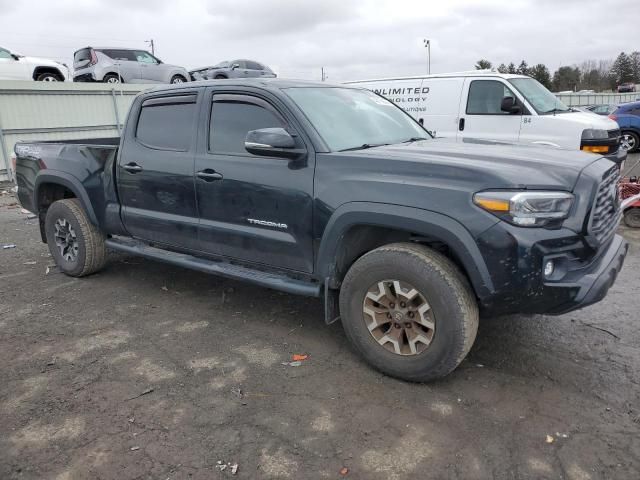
(515, 257)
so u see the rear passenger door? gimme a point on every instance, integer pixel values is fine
(480, 113)
(155, 170)
(253, 208)
(125, 64)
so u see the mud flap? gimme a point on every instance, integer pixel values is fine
(331, 305)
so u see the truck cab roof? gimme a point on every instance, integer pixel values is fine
(471, 73)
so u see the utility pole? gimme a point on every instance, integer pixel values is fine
(153, 50)
(324, 76)
(427, 45)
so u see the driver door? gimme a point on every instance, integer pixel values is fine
(150, 70)
(480, 115)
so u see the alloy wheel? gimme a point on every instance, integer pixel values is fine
(66, 239)
(399, 317)
(628, 141)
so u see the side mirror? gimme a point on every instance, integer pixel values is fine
(272, 142)
(234, 66)
(509, 105)
(15, 56)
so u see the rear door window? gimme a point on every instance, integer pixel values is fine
(167, 123)
(254, 65)
(485, 97)
(117, 54)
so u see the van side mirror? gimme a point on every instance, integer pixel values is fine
(272, 142)
(510, 105)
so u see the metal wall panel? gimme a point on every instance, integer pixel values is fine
(32, 111)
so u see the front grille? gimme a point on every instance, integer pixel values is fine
(606, 212)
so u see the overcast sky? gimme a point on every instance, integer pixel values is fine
(352, 39)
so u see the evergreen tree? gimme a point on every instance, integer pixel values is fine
(503, 68)
(566, 78)
(541, 73)
(523, 69)
(483, 64)
(622, 69)
(635, 62)
(512, 68)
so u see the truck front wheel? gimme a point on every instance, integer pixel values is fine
(76, 245)
(409, 311)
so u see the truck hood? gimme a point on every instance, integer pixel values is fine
(490, 164)
(45, 62)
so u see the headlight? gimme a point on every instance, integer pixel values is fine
(526, 209)
(593, 134)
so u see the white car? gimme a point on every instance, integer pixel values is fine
(18, 67)
(489, 105)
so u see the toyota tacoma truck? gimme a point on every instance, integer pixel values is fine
(335, 192)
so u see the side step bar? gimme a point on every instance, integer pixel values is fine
(225, 269)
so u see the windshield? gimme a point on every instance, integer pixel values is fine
(221, 65)
(347, 118)
(541, 99)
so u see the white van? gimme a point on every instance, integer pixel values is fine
(488, 105)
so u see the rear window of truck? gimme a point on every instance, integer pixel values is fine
(167, 123)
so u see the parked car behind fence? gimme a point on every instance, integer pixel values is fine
(14, 66)
(115, 65)
(233, 69)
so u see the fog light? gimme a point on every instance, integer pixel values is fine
(549, 267)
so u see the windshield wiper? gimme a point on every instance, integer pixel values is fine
(414, 139)
(364, 146)
(556, 110)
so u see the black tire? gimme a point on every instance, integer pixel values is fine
(220, 77)
(446, 291)
(632, 217)
(634, 139)
(178, 79)
(91, 252)
(112, 78)
(48, 77)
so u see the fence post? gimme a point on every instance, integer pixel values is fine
(3, 147)
(115, 110)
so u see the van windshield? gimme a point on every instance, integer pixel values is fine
(542, 100)
(353, 119)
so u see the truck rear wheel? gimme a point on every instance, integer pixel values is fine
(409, 311)
(76, 245)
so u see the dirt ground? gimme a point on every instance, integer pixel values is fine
(151, 371)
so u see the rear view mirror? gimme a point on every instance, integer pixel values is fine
(510, 105)
(272, 142)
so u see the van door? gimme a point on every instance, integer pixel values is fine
(439, 109)
(481, 116)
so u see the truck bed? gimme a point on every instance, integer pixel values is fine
(87, 158)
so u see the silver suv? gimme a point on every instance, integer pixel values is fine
(115, 65)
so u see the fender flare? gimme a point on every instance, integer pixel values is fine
(68, 181)
(411, 219)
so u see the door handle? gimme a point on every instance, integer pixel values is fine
(209, 175)
(132, 167)
(461, 124)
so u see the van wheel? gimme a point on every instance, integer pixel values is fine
(630, 141)
(409, 311)
(632, 217)
(220, 77)
(76, 245)
(112, 78)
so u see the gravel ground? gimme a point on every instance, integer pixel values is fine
(151, 371)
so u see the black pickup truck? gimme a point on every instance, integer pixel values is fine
(334, 192)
